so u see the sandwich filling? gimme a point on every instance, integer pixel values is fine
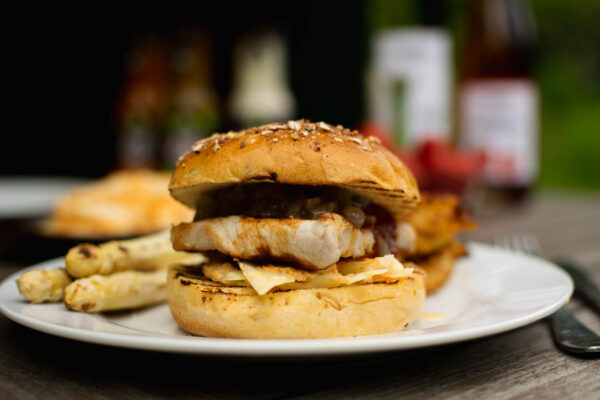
(264, 277)
(285, 222)
(311, 244)
(286, 237)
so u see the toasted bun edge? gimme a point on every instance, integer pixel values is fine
(204, 308)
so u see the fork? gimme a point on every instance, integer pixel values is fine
(570, 335)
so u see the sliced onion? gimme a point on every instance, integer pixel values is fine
(354, 215)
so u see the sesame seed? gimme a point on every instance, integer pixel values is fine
(337, 139)
(373, 139)
(325, 126)
(266, 132)
(294, 136)
(198, 145)
(230, 135)
(356, 140)
(295, 125)
(305, 133)
(274, 140)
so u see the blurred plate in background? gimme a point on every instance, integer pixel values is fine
(29, 197)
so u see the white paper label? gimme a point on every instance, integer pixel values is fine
(500, 117)
(410, 84)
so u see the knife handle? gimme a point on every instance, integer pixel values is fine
(572, 336)
(585, 289)
(590, 295)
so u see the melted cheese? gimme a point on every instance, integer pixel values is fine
(263, 279)
(225, 273)
(266, 278)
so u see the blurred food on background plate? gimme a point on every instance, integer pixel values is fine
(435, 223)
(124, 203)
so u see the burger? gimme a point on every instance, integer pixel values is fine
(303, 227)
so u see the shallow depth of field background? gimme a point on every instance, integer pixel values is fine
(66, 72)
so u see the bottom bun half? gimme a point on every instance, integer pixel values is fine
(206, 308)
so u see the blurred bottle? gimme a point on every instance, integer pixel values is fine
(261, 93)
(141, 106)
(409, 79)
(498, 96)
(193, 109)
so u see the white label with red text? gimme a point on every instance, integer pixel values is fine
(500, 117)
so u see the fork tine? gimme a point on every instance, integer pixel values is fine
(517, 243)
(532, 245)
(521, 243)
(503, 242)
(526, 244)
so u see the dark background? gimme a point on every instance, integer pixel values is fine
(65, 70)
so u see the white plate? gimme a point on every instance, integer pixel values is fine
(489, 292)
(22, 197)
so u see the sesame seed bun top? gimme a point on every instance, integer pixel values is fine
(298, 153)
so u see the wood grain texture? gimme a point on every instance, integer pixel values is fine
(521, 364)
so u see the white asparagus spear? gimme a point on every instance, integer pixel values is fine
(40, 285)
(120, 290)
(146, 252)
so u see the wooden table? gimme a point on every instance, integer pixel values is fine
(523, 363)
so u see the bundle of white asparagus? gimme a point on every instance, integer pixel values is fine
(112, 276)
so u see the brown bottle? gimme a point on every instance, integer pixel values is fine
(193, 110)
(498, 100)
(141, 105)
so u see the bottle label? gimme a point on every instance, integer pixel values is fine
(410, 84)
(500, 117)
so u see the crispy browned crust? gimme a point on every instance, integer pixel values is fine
(299, 153)
(205, 308)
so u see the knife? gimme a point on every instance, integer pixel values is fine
(585, 289)
(569, 334)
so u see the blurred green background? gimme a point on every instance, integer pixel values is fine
(567, 69)
(569, 76)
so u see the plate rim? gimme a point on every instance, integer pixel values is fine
(285, 348)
